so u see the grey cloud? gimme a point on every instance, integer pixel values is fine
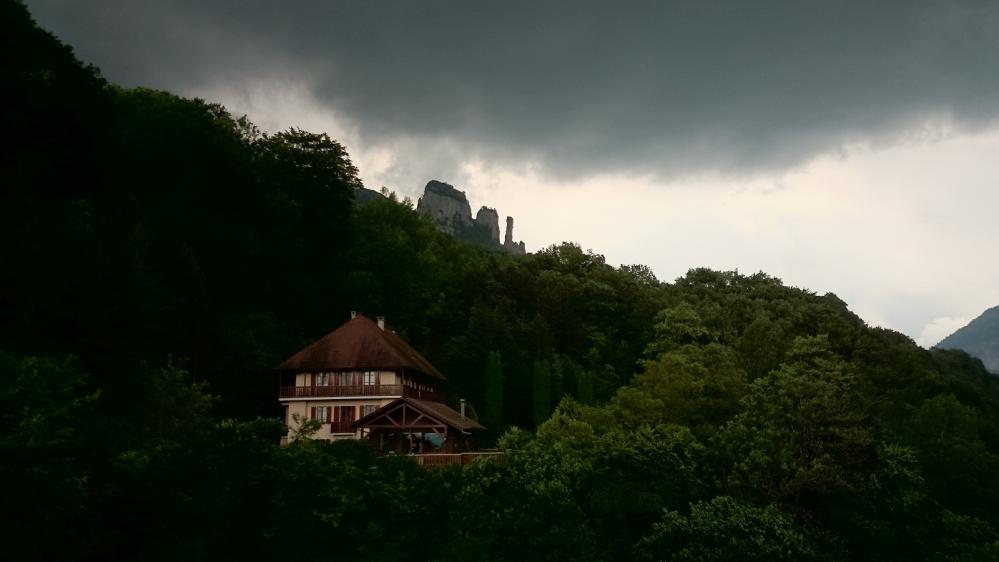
(580, 87)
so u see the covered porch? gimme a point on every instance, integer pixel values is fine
(410, 426)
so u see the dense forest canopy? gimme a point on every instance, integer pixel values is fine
(159, 257)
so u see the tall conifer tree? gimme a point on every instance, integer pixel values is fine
(493, 417)
(541, 377)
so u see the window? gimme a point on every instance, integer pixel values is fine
(368, 408)
(321, 379)
(321, 413)
(370, 378)
(347, 379)
(343, 413)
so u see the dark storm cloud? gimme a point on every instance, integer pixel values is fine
(580, 87)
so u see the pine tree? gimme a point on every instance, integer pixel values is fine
(584, 388)
(541, 377)
(493, 415)
(557, 374)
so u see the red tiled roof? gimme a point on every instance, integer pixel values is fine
(359, 344)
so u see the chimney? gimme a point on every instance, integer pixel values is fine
(462, 402)
(353, 314)
(381, 322)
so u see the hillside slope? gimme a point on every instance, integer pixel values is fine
(980, 338)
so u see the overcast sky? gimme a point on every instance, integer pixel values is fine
(850, 147)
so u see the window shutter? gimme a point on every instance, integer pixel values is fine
(353, 413)
(312, 379)
(329, 414)
(313, 415)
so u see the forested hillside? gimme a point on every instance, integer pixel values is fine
(160, 256)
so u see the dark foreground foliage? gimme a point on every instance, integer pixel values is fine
(159, 256)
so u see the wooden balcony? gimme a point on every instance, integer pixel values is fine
(441, 460)
(358, 391)
(341, 427)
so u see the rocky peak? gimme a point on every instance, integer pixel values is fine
(488, 219)
(508, 243)
(446, 206)
(445, 190)
(449, 209)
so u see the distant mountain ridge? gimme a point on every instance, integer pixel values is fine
(980, 338)
(363, 195)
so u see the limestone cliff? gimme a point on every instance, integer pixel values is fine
(488, 219)
(447, 206)
(450, 211)
(509, 245)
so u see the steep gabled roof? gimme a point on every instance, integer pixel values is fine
(428, 414)
(359, 344)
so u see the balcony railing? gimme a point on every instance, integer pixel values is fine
(341, 427)
(348, 391)
(439, 460)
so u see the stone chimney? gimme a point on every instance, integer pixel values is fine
(462, 402)
(381, 323)
(353, 314)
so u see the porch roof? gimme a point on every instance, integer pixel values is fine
(413, 413)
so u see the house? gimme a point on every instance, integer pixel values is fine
(362, 380)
